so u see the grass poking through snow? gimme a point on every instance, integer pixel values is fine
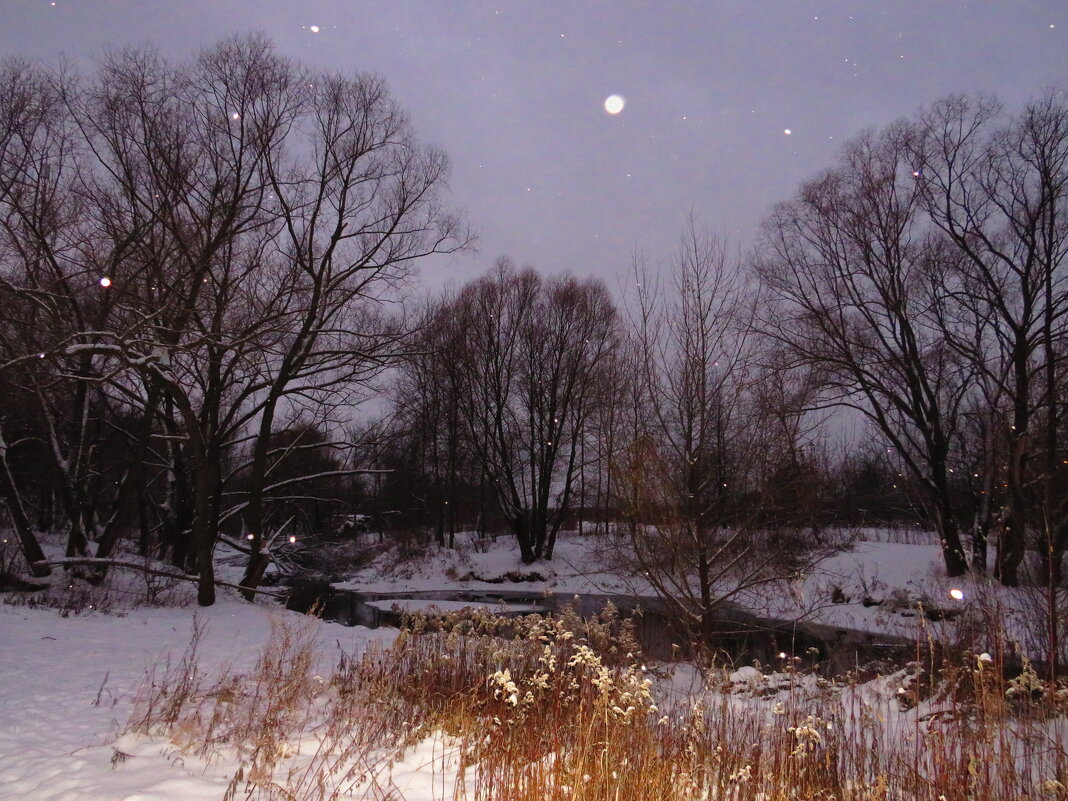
(540, 709)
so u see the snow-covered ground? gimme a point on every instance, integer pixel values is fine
(877, 585)
(68, 687)
(68, 682)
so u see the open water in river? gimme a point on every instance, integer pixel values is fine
(741, 637)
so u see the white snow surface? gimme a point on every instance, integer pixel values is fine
(899, 568)
(67, 683)
(579, 565)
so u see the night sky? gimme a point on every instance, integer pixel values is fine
(729, 105)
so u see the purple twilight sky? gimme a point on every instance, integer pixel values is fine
(729, 104)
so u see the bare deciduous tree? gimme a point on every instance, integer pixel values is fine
(530, 357)
(701, 444)
(221, 248)
(998, 190)
(858, 283)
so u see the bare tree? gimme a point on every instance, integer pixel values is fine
(42, 281)
(240, 224)
(427, 410)
(183, 211)
(998, 190)
(858, 284)
(606, 440)
(530, 358)
(700, 445)
(354, 222)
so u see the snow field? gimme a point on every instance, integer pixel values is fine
(70, 685)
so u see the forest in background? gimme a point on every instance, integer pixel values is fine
(206, 266)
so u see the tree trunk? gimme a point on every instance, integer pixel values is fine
(522, 535)
(257, 560)
(1011, 545)
(945, 521)
(949, 536)
(203, 537)
(253, 576)
(31, 548)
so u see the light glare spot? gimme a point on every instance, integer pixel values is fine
(314, 29)
(614, 104)
(787, 131)
(956, 595)
(105, 282)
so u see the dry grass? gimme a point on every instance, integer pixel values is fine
(562, 709)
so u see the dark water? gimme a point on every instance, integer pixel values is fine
(739, 636)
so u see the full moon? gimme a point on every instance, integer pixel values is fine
(613, 104)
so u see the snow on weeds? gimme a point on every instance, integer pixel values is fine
(472, 705)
